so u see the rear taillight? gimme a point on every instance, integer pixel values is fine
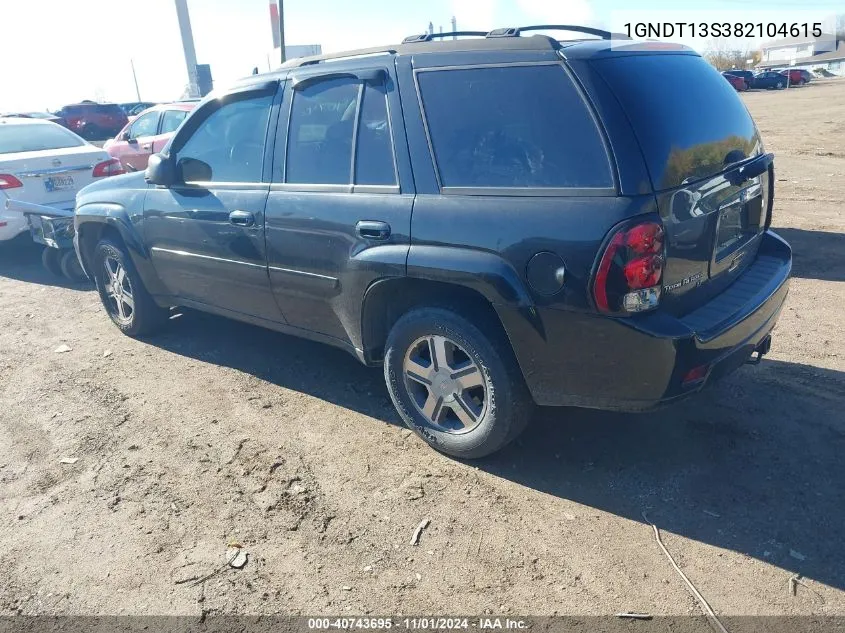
(630, 269)
(8, 181)
(110, 167)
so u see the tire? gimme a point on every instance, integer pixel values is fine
(50, 258)
(132, 309)
(495, 410)
(70, 266)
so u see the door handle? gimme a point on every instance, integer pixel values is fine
(242, 218)
(373, 230)
(147, 146)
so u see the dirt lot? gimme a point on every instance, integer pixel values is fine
(217, 431)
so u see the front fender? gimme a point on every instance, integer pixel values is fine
(94, 220)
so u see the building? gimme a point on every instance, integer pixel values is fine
(794, 50)
(833, 61)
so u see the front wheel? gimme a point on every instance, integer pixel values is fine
(452, 386)
(780, 85)
(126, 300)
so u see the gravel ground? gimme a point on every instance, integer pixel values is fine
(216, 432)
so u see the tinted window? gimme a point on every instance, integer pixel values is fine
(145, 125)
(231, 140)
(34, 138)
(374, 149)
(320, 134)
(111, 110)
(171, 120)
(518, 126)
(681, 142)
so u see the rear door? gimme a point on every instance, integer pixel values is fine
(136, 151)
(337, 216)
(697, 137)
(206, 233)
(170, 122)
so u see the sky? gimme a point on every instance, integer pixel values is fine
(62, 51)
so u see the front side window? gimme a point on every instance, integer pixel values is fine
(171, 120)
(144, 126)
(322, 126)
(512, 126)
(230, 141)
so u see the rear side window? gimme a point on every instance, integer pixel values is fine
(689, 121)
(512, 126)
(171, 120)
(322, 134)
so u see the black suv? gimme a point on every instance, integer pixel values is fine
(499, 221)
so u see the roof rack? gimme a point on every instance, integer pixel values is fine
(427, 37)
(515, 31)
(316, 59)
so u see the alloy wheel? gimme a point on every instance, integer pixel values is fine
(118, 290)
(446, 384)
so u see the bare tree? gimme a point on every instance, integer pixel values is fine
(724, 55)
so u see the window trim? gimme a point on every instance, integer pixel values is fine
(352, 186)
(610, 191)
(164, 113)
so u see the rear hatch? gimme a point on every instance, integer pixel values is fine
(52, 176)
(707, 167)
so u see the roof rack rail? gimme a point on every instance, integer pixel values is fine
(427, 37)
(515, 31)
(316, 59)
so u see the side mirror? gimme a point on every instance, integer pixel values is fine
(125, 136)
(193, 170)
(160, 171)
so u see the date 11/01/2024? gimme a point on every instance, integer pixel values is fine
(722, 29)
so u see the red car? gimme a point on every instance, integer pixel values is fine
(737, 82)
(147, 134)
(796, 77)
(93, 121)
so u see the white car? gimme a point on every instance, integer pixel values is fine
(43, 163)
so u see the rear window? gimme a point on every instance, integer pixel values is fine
(689, 121)
(34, 138)
(512, 126)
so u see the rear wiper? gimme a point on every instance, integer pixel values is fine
(751, 169)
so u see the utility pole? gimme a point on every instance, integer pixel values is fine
(135, 77)
(454, 27)
(188, 47)
(282, 28)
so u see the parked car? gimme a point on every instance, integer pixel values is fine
(46, 164)
(93, 121)
(46, 116)
(547, 260)
(769, 79)
(147, 134)
(134, 108)
(796, 76)
(737, 82)
(747, 76)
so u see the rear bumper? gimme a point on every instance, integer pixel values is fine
(639, 363)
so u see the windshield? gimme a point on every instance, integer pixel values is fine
(35, 138)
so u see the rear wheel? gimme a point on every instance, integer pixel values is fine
(452, 386)
(70, 266)
(780, 85)
(50, 258)
(126, 300)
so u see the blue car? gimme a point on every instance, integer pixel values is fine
(769, 79)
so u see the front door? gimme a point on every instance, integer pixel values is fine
(206, 233)
(337, 218)
(135, 152)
